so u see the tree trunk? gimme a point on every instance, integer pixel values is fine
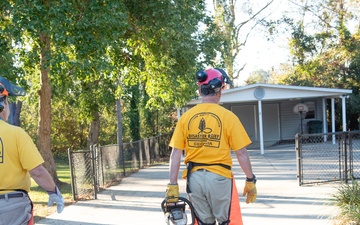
(135, 115)
(44, 125)
(121, 158)
(94, 130)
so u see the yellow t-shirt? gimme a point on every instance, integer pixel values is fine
(18, 155)
(208, 132)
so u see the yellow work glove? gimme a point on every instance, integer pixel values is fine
(172, 191)
(250, 191)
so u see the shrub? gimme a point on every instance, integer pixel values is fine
(347, 199)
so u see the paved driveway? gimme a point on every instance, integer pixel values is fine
(280, 201)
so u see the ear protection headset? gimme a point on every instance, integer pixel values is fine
(225, 77)
(3, 94)
(8, 89)
(213, 80)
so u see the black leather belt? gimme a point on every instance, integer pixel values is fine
(191, 165)
(13, 195)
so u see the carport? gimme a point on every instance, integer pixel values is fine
(273, 113)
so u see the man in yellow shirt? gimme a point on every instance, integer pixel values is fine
(207, 133)
(20, 159)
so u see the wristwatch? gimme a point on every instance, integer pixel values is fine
(253, 179)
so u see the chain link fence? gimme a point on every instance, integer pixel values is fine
(103, 166)
(328, 157)
(82, 179)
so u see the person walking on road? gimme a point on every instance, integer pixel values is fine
(207, 133)
(20, 159)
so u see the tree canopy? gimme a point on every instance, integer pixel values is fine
(325, 50)
(77, 58)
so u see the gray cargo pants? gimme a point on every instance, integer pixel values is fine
(210, 196)
(15, 210)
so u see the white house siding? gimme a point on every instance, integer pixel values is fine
(271, 121)
(243, 101)
(290, 121)
(248, 115)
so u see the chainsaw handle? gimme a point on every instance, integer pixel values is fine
(164, 204)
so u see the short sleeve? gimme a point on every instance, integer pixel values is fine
(238, 135)
(30, 156)
(178, 138)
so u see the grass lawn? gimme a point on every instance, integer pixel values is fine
(40, 197)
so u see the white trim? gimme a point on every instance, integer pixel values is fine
(275, 92)
(261, 128)
(333, 119)
(291, 87)
(343, 102)
(325, 129)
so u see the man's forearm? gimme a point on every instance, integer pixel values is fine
(175, 160)
(244, 161)
(43, 178)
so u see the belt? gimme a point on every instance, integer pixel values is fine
(13, 195)
(191, 165)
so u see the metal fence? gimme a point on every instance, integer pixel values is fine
(102, 166)
(328, 157)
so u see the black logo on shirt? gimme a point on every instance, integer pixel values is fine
(204, 129)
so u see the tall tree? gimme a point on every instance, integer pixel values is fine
(162, 51)
(164, 36)
(259, 76)
(76, 52)
(232, 32)
(49, 35)
(325, 48)
(44, 126)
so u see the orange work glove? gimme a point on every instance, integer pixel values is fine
(171, 192)
(250, 191)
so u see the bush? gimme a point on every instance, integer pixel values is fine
(347, 199)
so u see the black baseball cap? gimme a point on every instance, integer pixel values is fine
(9, 89)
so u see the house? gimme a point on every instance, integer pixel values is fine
(274, 113)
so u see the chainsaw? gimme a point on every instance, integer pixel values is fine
(175, 212)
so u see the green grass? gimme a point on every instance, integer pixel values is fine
(347, 199)
(40, 198)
